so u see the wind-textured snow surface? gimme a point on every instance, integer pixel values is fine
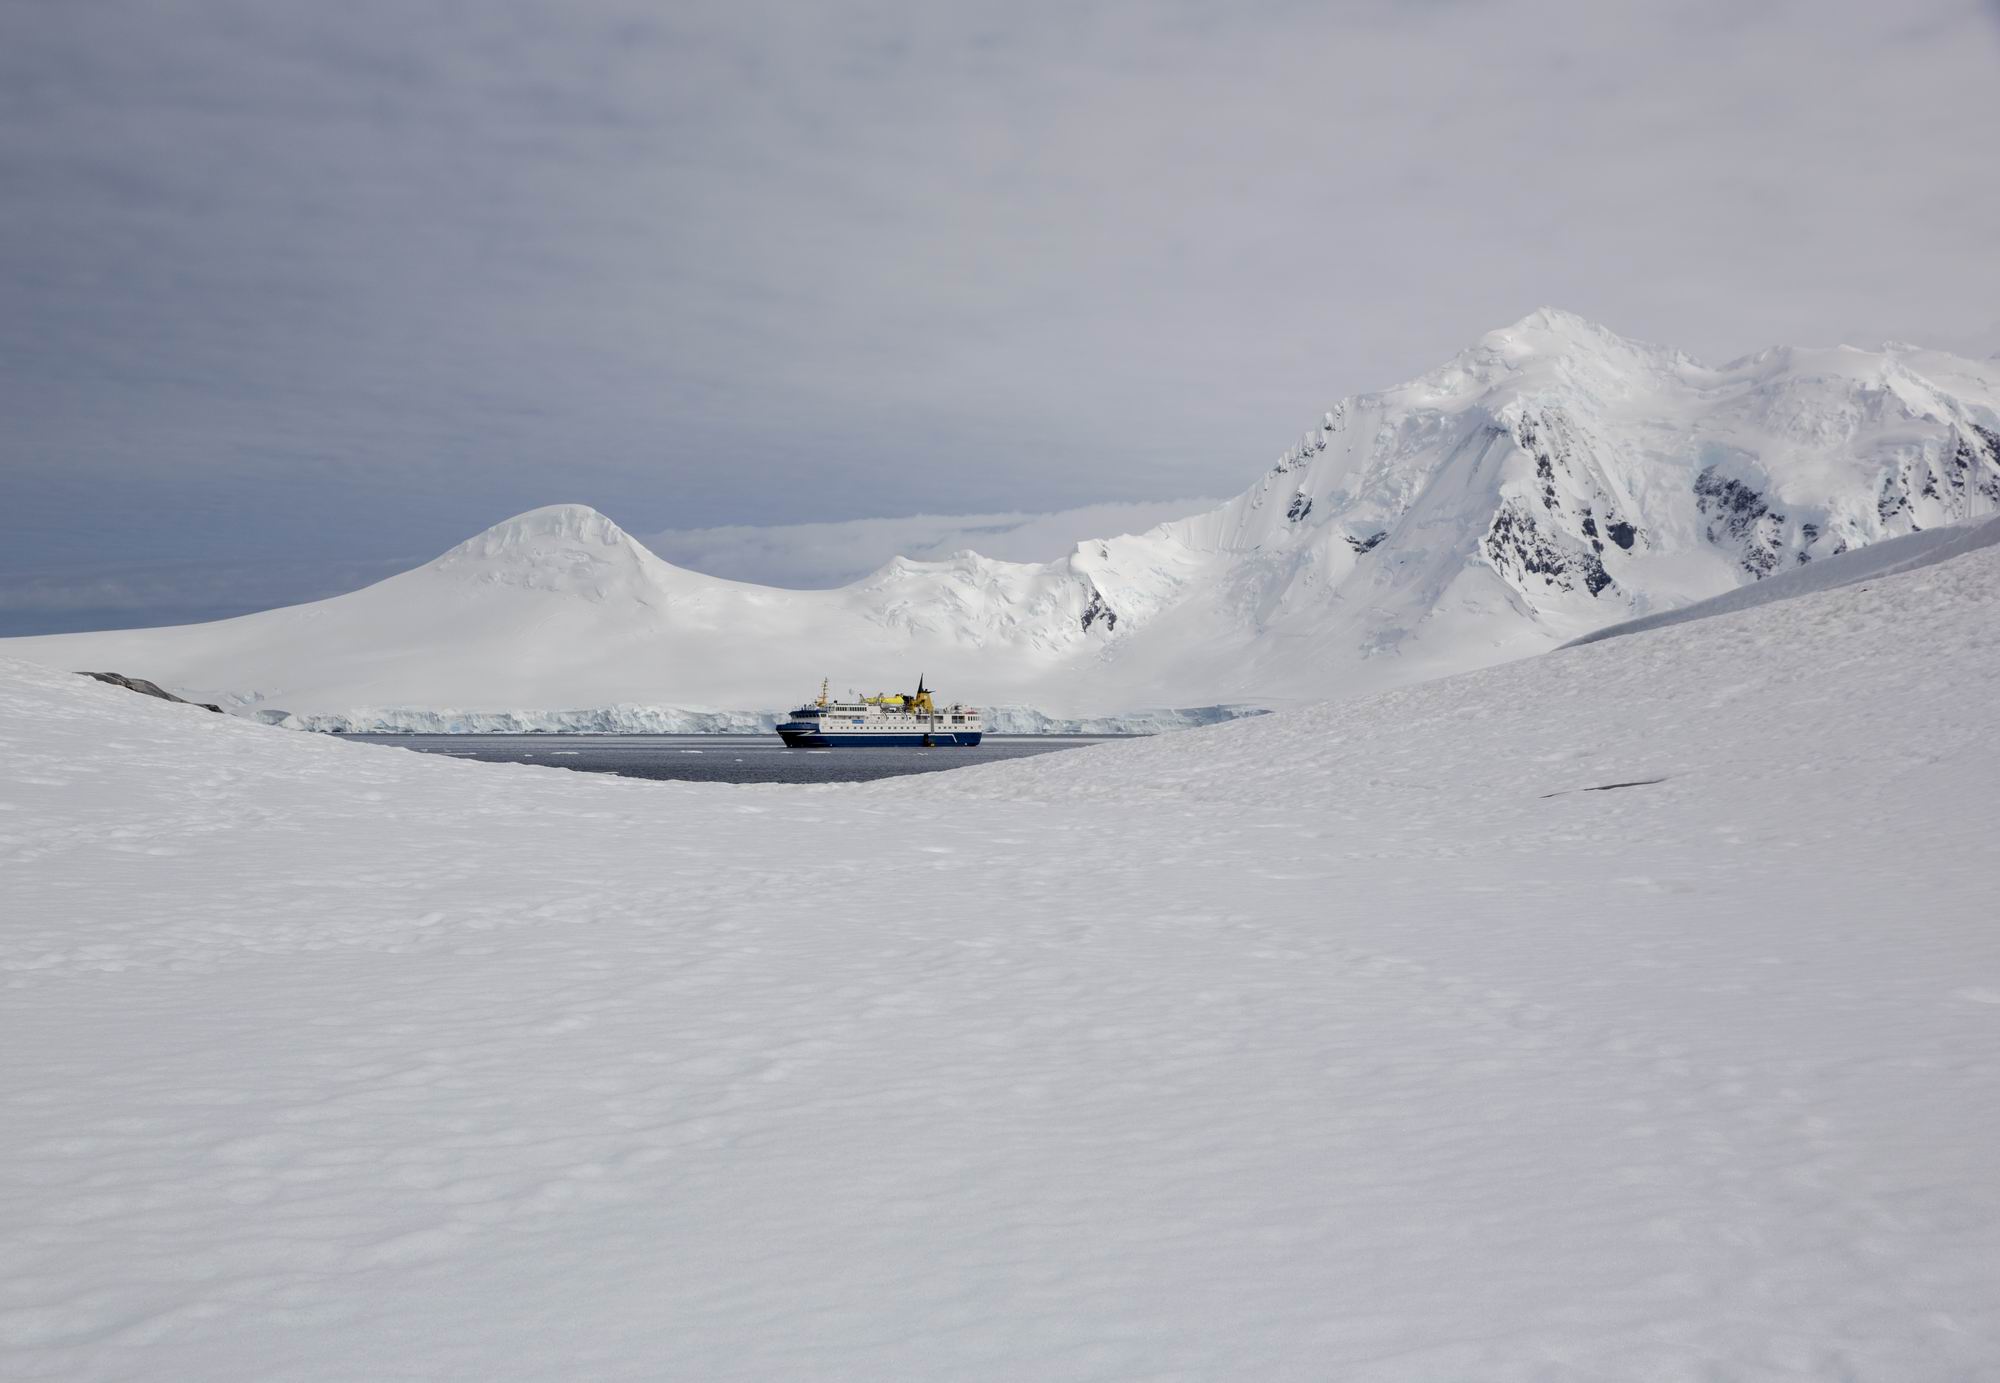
(1550, 480)
(1627, 1012)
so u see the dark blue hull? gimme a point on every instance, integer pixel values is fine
(938, 739)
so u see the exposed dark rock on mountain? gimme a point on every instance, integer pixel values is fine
(1518, 546)
(1739, 514)
(145, 688)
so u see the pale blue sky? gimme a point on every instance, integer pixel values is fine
(296, 291)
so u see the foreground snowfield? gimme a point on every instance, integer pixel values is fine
(1361, 1043)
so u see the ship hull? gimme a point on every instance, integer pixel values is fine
(888, 739)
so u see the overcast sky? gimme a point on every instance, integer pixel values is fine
(292, 291)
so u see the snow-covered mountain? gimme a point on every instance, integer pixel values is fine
(1553, 479)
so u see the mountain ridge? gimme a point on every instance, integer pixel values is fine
(1550, 479)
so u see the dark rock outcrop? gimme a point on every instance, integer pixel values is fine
(145, 688)
(1518, 546)
(1572, 485)
(1739, 514)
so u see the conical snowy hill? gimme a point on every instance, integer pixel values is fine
(1552, 479)
(563, 548)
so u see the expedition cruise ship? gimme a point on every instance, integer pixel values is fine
(889, 718)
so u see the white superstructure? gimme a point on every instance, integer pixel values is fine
(887, 719)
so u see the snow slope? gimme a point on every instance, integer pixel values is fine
(1551, 480)
(1886, 558)
(1387, 1040)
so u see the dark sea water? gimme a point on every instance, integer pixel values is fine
(724, 758)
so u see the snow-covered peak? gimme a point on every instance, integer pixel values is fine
(559, 547)
(551, 527)
(1551, 331)
(1548, 348)
(1859, 445)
